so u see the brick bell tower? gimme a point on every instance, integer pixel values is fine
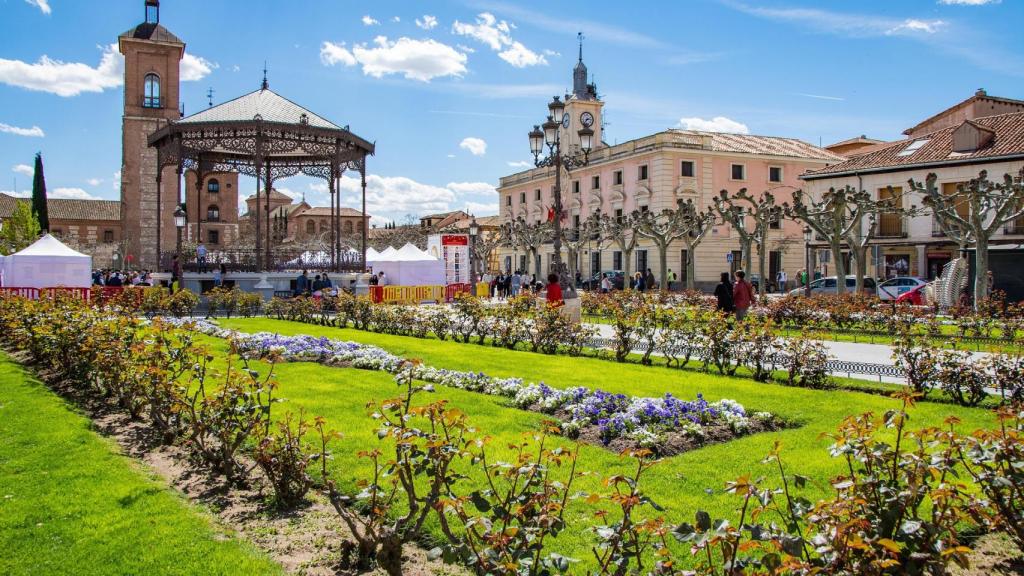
(151, 59)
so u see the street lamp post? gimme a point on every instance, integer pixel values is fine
(559, 159)
(807, 260)
(179, 223)
(474, 229)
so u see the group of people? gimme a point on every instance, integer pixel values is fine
(511, 284)
(320, 284)
(735, 297)
(644, 281)
(121, 278)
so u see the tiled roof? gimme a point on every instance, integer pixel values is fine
(274, 195)
(68, 209)
(862, 139)
(937, 149)
(768, 145)
(151, 31)
(326, 211)
(979, 95)
(266, 103)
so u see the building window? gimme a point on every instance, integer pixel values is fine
(775, 173)
(536, 194)
(617, 178)
(213, 213)
(508, 200)
(775, 221)
(310, 227)
(151, 91)
(641, 260)
(618, 215)
(595, 182)
(213, 236)
(616, 260)
(522, 197)
(739, 172)
(575, 186)
(348, 227)
(213, 186)
(108, 236)
(642, 172)
(686, 169)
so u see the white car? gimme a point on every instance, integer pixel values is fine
(829, 286)
(894, 287)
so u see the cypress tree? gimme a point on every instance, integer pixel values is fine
(39, 195)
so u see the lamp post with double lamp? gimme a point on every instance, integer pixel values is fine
(474, 229)
(179, 223)
(807, 260)
(559, 159)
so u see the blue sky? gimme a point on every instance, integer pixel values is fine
(448, 90)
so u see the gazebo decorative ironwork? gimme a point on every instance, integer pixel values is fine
(268, 137)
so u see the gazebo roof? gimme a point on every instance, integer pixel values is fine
(265, 103)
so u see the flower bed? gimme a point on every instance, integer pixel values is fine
(667, 425)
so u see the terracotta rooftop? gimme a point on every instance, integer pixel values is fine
(768, 145)
(68, 209)
(936, 149)
(326, 211)
(979, 95)
(274, 195)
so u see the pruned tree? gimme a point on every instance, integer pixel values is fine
(529, 237)
(484, 247)
(866, 214)
(989, 206)
(39, 195)
(399, 236)
(699, 226)
(764, 212)
(664, 228)
(832, 218)
(575, 238)
(620, 231)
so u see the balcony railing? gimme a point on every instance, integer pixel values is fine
(151, 102)
(892, 226)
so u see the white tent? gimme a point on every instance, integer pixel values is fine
(47, 263)
(409, 266)
(372, 255)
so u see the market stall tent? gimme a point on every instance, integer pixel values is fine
(47, 263)
(409, 266)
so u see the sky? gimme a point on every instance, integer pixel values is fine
(449, 90)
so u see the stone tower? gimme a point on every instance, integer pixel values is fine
(151, 59)
(582, 100)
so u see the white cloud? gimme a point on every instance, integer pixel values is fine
(476, 146)
(65, 78)
(116, 181)
(396, 19)
(482, 208)
(550, 52)
(393, 197)
(421, 60)
(43, 5)
(465, 48)
(194, 68)
(94, 181)
(291, 193)
(34, 131)
(968, 2)
(471, 188)
(911, 25)
(520, 56)
(73, 78)
(24, 169)
(71, 193)
(519, 164)
(427, 23)
(369, 21)
(451, 155)
(497, 34)
(716, 124)
(18, 194)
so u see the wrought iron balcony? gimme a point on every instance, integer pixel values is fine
(892, 226)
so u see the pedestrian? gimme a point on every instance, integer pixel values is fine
(302, 284)
(671, 280)
(649, 282)
(606, 284)
(517, 283)
(723, 294)
(781, 280)
(742, 294)
(175, 274)
(318, 284)
(201, 257)
(554, 292)
(382, 280)
(638, 282)
(218, 276)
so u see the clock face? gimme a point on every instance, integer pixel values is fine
(565, 120)
(587, 119)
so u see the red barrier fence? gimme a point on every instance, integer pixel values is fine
(35, 293)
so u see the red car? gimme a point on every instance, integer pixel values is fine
(914, 297)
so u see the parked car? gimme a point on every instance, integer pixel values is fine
(829, 285)
(594, 282)
(893, 288)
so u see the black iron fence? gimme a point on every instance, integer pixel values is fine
(248, 260)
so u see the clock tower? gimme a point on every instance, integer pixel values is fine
(582, 107)
(151, 59)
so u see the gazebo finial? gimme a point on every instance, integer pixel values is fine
(265, 84)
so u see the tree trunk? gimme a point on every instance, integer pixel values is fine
(762, 286)
(663, 262)
(837, 257)
(860, 254)
(627, 260)
(980, 269)
(691, 269)
(745, 247)
(389, 556)
(536, 263)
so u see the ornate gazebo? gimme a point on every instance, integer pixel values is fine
(268, 137)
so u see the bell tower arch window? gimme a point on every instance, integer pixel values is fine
(212, 213)
(213, 186)
(151, 91)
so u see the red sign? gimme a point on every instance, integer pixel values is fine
(454, 240)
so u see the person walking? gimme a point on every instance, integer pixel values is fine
(742, 295)
(649, 282)
(517, 283)
(638, 282)
(218, 276)
(302, 284)
(201, 257)
(671, 280)
(554, 292)
(781, 280)
(723, 295)
(175, 273)
(606, 284)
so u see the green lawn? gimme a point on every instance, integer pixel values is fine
(71, 504)
(679, 483)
